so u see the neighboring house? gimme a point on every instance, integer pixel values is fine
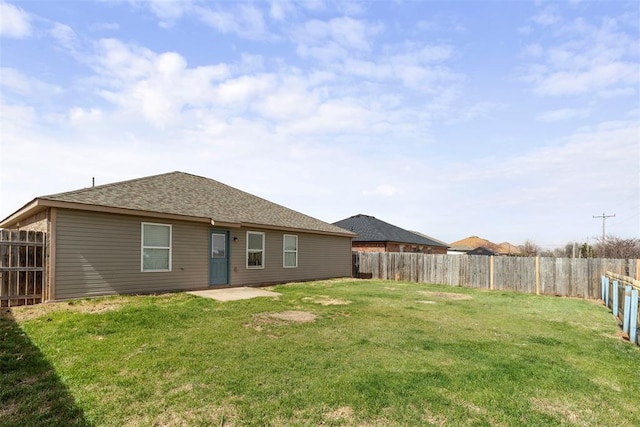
(176, 231)
(506, 248)
(374, 235)
(468, 244)
(482, 250)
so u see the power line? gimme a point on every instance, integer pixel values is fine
(604, 218)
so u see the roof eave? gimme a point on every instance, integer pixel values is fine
(399, 243)
(41, 203)
(27, 210)
(298, 230)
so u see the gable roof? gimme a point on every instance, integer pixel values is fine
(472, 242)
(178, 194)
(371, 229)
(506, 248)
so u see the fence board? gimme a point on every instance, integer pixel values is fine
(572, 277)
(22, 267)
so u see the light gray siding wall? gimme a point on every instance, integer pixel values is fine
(99, 254)
(319, 257)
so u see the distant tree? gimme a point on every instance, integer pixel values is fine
(586, 251)
(547, 253)
(616, 247)
(529, 248)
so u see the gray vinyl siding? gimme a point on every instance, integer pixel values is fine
(319, 257)
(99, 254)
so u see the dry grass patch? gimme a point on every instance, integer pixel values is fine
(343, 414)
(558, 409)
(446, 295)
(294, 316)
(214, 415)
(28, 312)
(326, 300)
(281, 318)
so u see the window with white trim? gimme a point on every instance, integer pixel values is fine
(156, 247)
(255, 249)
(290, 251)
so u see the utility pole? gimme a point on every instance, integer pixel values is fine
(604, 218)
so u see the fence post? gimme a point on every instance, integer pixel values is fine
(603, 292)
(606, 292)
(626, 322)
(491, 285)
(615, 298)
(537, 275)
(633, 316)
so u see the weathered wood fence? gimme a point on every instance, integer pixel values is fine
(22, 267)
(572, 277)
(620, 294)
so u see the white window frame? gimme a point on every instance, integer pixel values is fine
(143, 247)
(263, 250)
(285, 251)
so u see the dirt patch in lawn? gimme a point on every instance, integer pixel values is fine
(281, 318)
(558, 409)
(326, 300)
(445, 295)
(28, 312)
(343, 414)
(294, 316)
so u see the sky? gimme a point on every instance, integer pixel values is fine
(509, 120)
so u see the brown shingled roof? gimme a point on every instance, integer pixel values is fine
(506, 248)
(179, 193)
(473, 242)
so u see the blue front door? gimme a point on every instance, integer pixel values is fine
(219, 258)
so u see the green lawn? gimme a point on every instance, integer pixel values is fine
(344, 352)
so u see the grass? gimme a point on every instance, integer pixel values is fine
(344, 352)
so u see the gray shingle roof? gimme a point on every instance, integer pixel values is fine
(190, 195)
(371, 229)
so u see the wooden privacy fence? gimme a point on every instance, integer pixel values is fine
(572, 277)
(22, 267)
(620, 294)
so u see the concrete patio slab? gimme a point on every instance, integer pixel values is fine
(232, 294)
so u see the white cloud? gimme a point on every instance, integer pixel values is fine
(594, 79)
(168, 11)
(585, 58)
(280, 9)
(563, 114)
(547, 16)
(16, 82)
(14, 22)
(332, 39)
(244, 20)
(64, 35)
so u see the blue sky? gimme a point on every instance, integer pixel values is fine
(508, 120)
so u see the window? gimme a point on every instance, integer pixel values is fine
(218, 245)
(255, 249)
(156, 247)
(290, 253)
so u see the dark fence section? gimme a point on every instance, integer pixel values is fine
(22, 267)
